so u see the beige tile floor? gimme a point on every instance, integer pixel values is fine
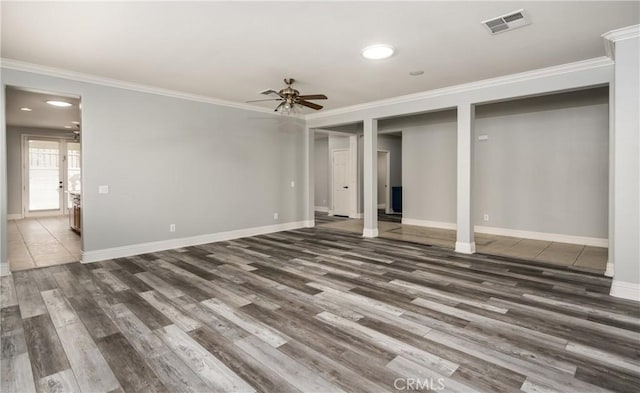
(592, 259)
(44, 241)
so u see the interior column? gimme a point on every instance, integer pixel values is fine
(626, 162)
(464, 238)
(370, 190)
(310, 186)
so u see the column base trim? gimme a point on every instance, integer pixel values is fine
(310, 223)
(466, 248)
(625, 290)
(609, 270)
(366, 232)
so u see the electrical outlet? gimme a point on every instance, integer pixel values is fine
(486, 217)
(275, 216)
(172, 227)
(103, 189)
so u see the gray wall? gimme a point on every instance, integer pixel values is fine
(204, 167)
(321, 168)
(14, 163)
(428, 166)
(543, 169)
(545, 166)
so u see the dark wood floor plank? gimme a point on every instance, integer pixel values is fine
(45, 350)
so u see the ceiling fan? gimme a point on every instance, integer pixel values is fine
(291, 97)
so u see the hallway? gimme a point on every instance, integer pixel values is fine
(43, 241)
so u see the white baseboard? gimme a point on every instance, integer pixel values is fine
(4, 269)
(431, 224)
(322, 209)
(382, 205)
(144, 248)
(310, 223)
(14, 216)
(625, 290)
(609, 270)
(356, 215)
(466, 248)
(366, 232)
(551, 237)
(330, 212)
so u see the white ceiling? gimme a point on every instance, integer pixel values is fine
(234, 50)
(42, 115)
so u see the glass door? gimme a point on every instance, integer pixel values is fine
(44, 185)
(52, 172)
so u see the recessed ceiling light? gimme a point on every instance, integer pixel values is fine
(26, 109)
(67, 126)
(416, 73)
(59, 103)
(377, 52)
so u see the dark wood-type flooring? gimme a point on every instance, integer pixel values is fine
(314, 310)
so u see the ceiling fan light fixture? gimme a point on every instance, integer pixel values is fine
(61, 104)
(378, 52)
(25, 109)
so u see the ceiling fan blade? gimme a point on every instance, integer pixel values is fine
(270, 91)
(313, 97)
(268, 99)
(309, 104)
(278, 107)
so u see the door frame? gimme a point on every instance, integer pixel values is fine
(387, 207)
(24, 175)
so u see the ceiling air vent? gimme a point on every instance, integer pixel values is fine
(506, 22)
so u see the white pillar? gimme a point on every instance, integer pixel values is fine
(310, 185)
(611, 234)
(464, 237)
(354, 184)
(4, 259)
(626, 145)
(370, 178)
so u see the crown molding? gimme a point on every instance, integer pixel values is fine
(582, 65)
(622, 34)
(98, 80)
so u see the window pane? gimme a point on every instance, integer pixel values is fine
(44, 175)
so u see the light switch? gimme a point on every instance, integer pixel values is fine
(483, 137)
(103, 189)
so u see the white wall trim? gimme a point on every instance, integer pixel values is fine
(622, 33)
(502, 80)
(551, 237)
(609, 270)
(4, 269)
(466, 248)
(143, 248)
(625, 290)
(357, 216)
(99, 80)
(367, 232)
(323, 209)
(431, 224)
(309, 224)
(15, 216)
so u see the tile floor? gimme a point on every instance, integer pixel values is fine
(587, 258)
(43, 241)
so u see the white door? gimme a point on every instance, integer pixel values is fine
(341, 183)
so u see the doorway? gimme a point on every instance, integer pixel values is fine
(51, 175)
(43, 178)
(384, 173)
